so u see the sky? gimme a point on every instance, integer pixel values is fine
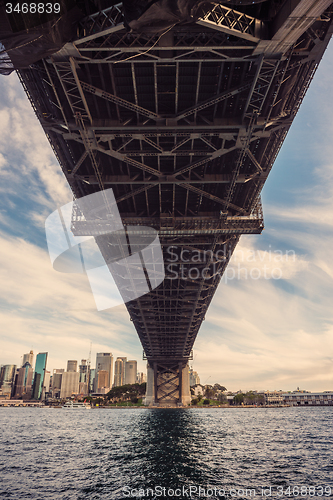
(269, 325)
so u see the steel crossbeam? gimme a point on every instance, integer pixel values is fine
(231, 21)
(100, 24)
(122, 102)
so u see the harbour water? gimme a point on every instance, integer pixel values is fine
(166, 453)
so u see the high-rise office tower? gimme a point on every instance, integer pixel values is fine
(92, 375)
(71, 365)
(46, 383)
(38, 384)
(69, 384)
(23, 381)
(7, 376)
(130, 372)
(29, 357)
(56, 382)
(141, 377)
(194, 377)
(83, 370)
(83, 378)
(104, 361)
(119, 371)
(103, 382)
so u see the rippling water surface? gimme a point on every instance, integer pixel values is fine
(113, 454)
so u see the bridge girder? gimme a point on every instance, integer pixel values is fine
(185, 127)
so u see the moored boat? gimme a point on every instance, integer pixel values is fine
(73, 405)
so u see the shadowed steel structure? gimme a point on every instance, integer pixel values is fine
(183, 117)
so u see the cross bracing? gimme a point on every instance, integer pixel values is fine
(185, 126)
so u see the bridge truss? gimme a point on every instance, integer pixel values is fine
(184, 124)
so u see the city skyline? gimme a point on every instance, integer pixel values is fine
(24, 381)
(74, 367)
(258, 332)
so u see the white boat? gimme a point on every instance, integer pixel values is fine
(76, 405)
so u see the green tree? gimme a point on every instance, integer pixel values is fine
(206, 402)
(194, 401)
(219, 387)
(222, 398)
(209, 392)
(249, 398)
(260, 399)
(127, 391)
(239, 398)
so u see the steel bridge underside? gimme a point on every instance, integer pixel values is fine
(184, 125)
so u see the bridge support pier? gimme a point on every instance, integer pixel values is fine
(167, 385)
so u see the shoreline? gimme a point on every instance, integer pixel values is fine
(173, 407)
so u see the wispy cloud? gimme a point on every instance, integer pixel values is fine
(25, 151)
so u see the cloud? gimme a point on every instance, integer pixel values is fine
(52, 311)
(249, 262)
(257, 336)
(25, 151)
(277, 334)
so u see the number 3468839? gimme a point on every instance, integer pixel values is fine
(33, 8)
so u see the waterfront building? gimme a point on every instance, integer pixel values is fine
(23, 382)
(71, 365)
(302, 398)
(7, 376)
(38, 391)
(28, 358)
(274, 397)
(56, 382)
(119, 371)
(104, 362)
(130, 371)
(69, 384)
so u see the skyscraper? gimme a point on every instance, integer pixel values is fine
(83, 378)
(7, 376)
(119, 371)
(141, 378)
(71, 365)
(23, 381)
(103, 382)
(92, 375)
(104, 361)
(194, 377)
(47, 380)
(56, 382)
(69, 384)
(130, 372)
(29, 357)
(38, 384)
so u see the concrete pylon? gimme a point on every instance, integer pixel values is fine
(168, 382)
